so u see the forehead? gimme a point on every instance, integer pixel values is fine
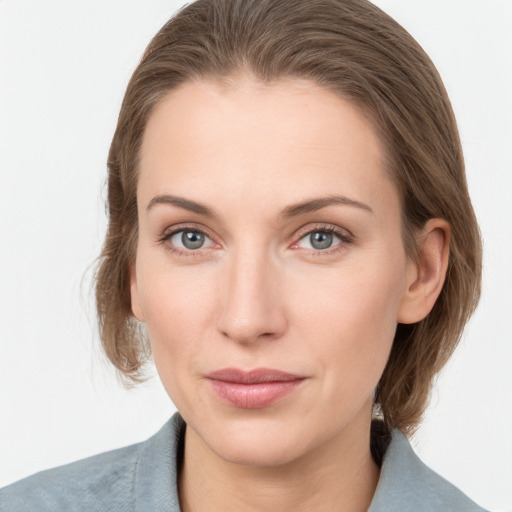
(248, 139)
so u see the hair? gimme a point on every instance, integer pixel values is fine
(350, 47)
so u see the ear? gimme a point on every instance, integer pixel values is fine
(134, 293)
(425, 277)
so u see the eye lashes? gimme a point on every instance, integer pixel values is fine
(344, 235)
(169, 234)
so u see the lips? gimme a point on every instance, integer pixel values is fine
(253, 389)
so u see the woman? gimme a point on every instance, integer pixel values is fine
(289, 221)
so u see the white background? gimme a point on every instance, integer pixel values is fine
(64, 66)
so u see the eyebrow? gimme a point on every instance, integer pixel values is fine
(313, 205)
(293, 210)
(181, 202)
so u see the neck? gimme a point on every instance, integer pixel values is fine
(339, 475)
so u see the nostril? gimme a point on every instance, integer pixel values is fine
(248, 333)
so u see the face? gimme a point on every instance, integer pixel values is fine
(270, 269)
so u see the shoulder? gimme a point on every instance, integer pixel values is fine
(74, 486)
(406, 483)
(112, 481)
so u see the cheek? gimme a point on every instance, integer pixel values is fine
(352, 300)
(177, 296)
(351, 321)
(177, 309)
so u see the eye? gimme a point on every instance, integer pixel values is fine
(319, 240)
(323, 239)
(188, 240)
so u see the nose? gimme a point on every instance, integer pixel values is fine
(251, 305)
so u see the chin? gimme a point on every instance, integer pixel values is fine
(258, 452)
(263, 441)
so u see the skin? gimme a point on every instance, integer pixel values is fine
(258, 294)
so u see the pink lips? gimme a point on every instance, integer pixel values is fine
(254, 389)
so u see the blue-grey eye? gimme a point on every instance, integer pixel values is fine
(190, 240)
(320, 240)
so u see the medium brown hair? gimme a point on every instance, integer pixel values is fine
(354, 49)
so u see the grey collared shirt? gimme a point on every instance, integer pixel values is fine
(143, 477)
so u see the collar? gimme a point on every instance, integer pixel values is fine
(405, 483)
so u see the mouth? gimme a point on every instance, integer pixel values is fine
(253, 389)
